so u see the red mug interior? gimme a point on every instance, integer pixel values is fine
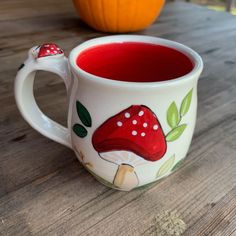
(134, 62)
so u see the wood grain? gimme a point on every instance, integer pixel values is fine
(43, 188)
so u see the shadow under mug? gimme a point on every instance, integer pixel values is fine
(127, 134)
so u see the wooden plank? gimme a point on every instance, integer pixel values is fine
(219, 222)
(88, 206)
(18, 9)
(43, 188)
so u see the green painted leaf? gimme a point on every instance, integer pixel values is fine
(175, 133)
(177, 165)
(186, 103)
(83, 114)
(166, 167)
(173, 117)
(80, 130)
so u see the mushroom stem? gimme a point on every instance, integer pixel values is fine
(125, 177)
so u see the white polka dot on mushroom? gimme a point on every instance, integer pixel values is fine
(48, 51)
(134, 122)
(143, 134)
(119, 123)
(140, 113)
(134, 132)
(155, 127)
(145, 124)
(127, 115)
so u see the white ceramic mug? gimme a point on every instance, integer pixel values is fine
(99, 107)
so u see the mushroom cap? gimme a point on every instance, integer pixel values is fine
(135, 129)
(47, 49)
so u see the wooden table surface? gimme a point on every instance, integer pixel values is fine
(44, 190)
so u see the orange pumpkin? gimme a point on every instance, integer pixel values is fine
(118, 15)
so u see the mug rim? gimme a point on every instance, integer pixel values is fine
(190, 53)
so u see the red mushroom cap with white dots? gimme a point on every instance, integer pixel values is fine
(135, 129)
(49, 49)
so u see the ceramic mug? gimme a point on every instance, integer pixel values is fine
(127, 134)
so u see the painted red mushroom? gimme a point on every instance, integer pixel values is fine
(129, 139)
(47, 49)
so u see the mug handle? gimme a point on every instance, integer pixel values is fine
(47, 57)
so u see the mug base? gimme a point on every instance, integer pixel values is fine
(111, 185)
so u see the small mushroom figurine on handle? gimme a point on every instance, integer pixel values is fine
(47, 49)
(129, 139)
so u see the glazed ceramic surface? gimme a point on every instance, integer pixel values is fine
(127, 134)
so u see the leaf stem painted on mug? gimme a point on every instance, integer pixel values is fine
(174, 117)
